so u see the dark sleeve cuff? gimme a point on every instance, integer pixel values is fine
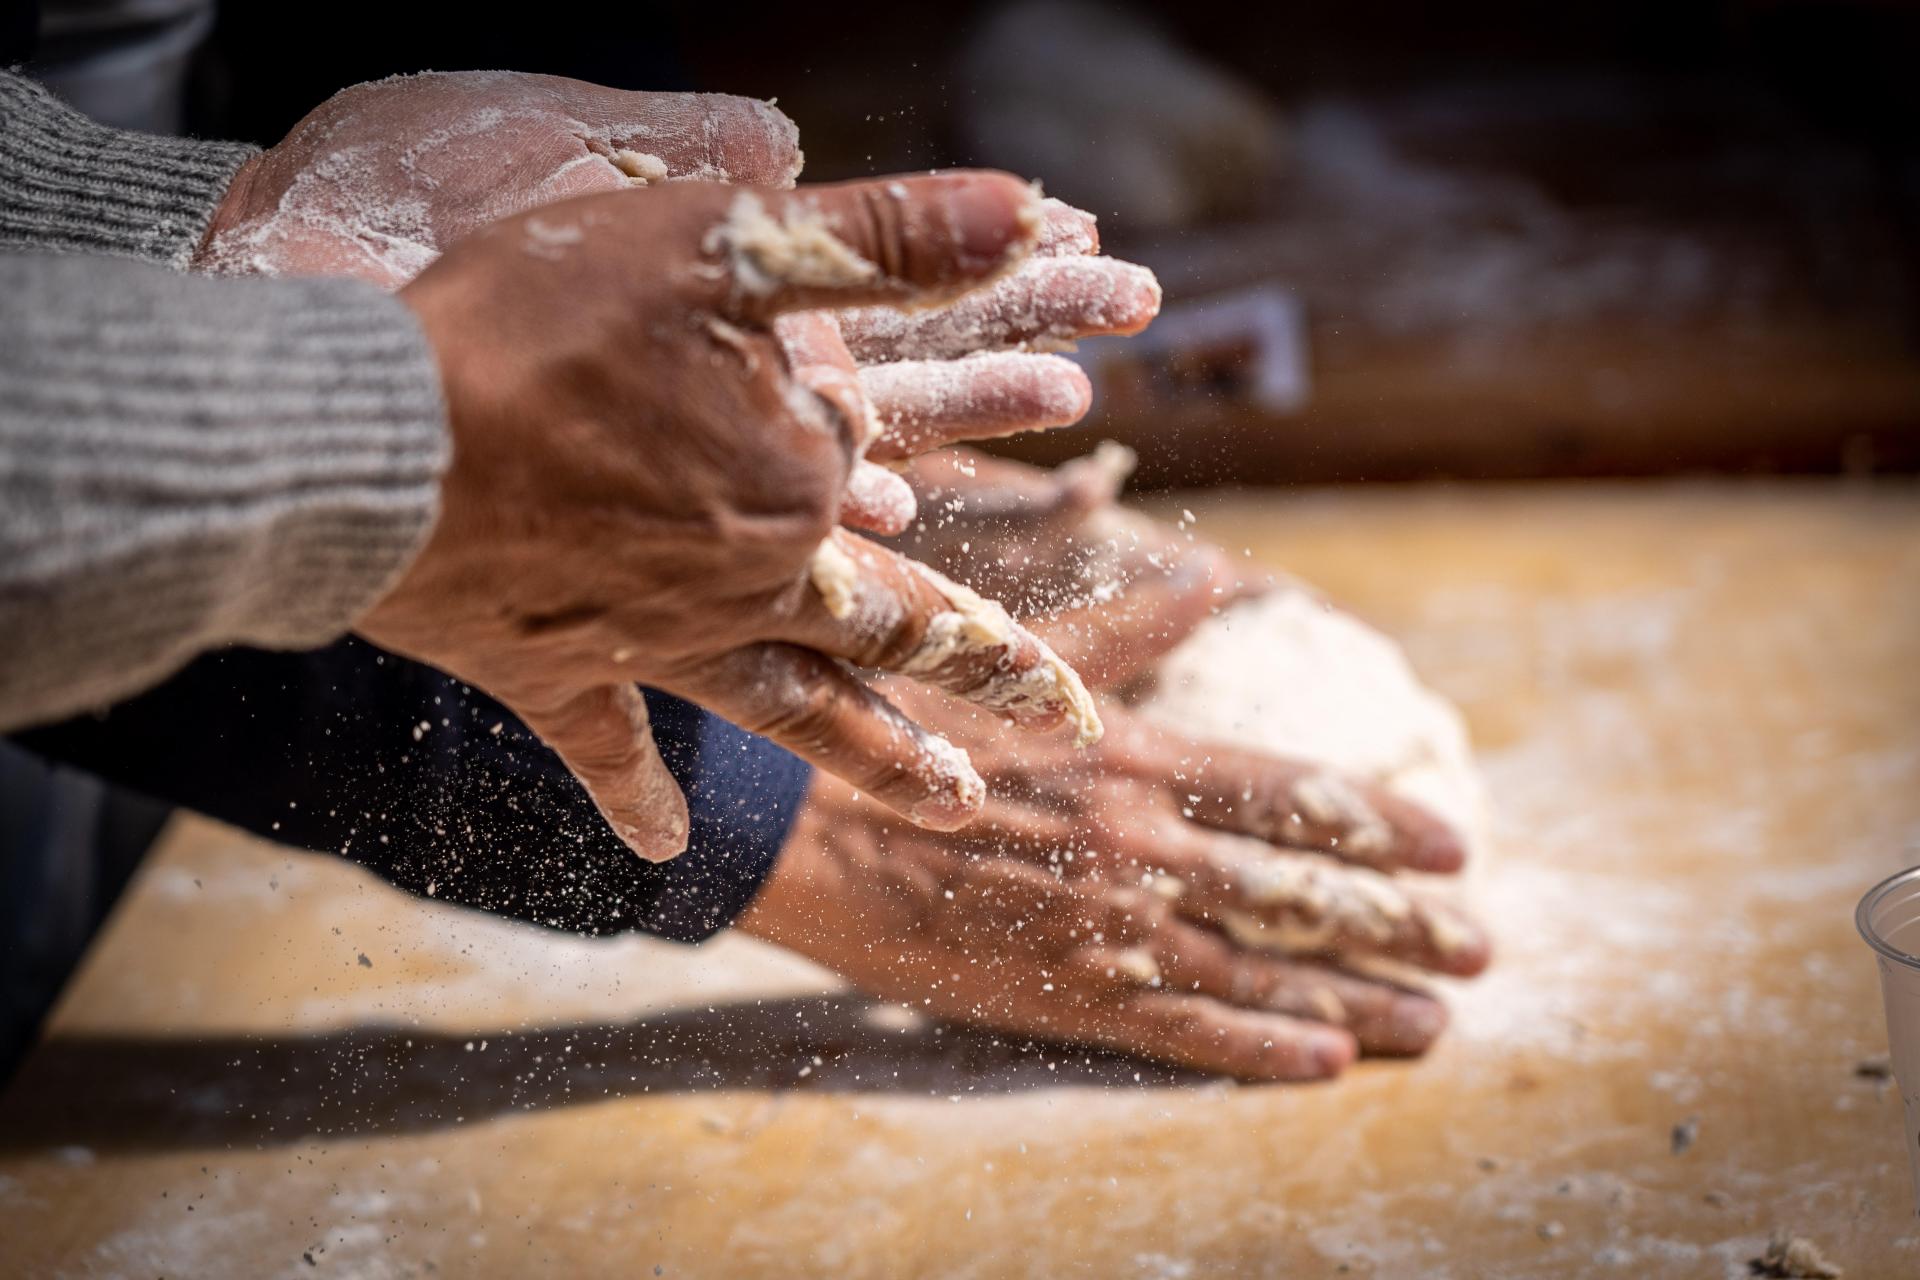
(743, 794)
(438, 789)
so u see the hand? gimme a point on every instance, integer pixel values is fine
(641, 490)
(966, 371)
(1127, 896)
(1112, 590)
(380, 179)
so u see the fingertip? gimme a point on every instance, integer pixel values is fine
(1066, 394)
(1138, 301)
(659, 834)
(994, 219)
(1066, 230)
(945, 812)
(1439, 850)
(649, 845)
(753, 142)
(1424, 841)
(1410, 1026)
(1464, 957)
(1300, 1052)
(878, 501)
(1330, 1051)
(957, 794)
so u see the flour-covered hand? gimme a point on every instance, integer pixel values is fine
(643, 487)
(380, 179)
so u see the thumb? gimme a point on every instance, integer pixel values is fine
(603, 737)
(716, 137)
(904, 242)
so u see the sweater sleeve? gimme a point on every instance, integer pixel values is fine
(71, 185)
(189, 462)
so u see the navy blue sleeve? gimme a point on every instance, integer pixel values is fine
(439, 789)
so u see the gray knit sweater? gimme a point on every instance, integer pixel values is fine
(184, 462)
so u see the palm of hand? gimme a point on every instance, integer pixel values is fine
(1104, 898)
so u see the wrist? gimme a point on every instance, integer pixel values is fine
(228, 213)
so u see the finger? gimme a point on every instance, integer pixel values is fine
(1155, 602)
(816, 708)
(603, 737)
(1304, 904)
(813, 338)
(886, 243)
(1299, 805)
(717, 137)
(1010, 500)
(876, 608)
(819, 360)
(1210, 1035)
(924, 404)
(1384, 1019)
(877, 500)
(1046, 303)
(1066, 230)
(1107, 972)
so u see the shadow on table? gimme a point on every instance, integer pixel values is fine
(155, 1093)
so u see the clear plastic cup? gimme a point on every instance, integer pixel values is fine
(1889, 919)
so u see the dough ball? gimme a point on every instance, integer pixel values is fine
(1289, 674)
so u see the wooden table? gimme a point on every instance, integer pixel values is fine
(1700, 713)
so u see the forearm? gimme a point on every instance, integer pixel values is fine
(351, 751)
(70, 185)
(186, 463)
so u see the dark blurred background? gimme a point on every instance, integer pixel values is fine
(1399, 241)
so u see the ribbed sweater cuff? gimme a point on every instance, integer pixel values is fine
(70, 185)
(187, 462)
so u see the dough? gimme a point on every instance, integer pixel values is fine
(1289, 674)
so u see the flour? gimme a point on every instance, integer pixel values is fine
(1045, 304)
(642, 168)
(1330, 800)
(1309, 904)
(881, 496)
(836, 578)
(1065, 230)
(975, 624)
(1287, 674)
(1137, 965)
(1789, 1256)
(765, 254)
(971, 624)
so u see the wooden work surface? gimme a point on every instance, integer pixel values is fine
(1699, 709)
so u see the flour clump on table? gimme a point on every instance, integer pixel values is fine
(1287, 674)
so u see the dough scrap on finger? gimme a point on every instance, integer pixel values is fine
(970, 625)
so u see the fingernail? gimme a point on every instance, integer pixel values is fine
(992, 217)
(1147, 285)
(1418, 1023)
(1441, 851)
(1333, 1053)
(958, 794)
